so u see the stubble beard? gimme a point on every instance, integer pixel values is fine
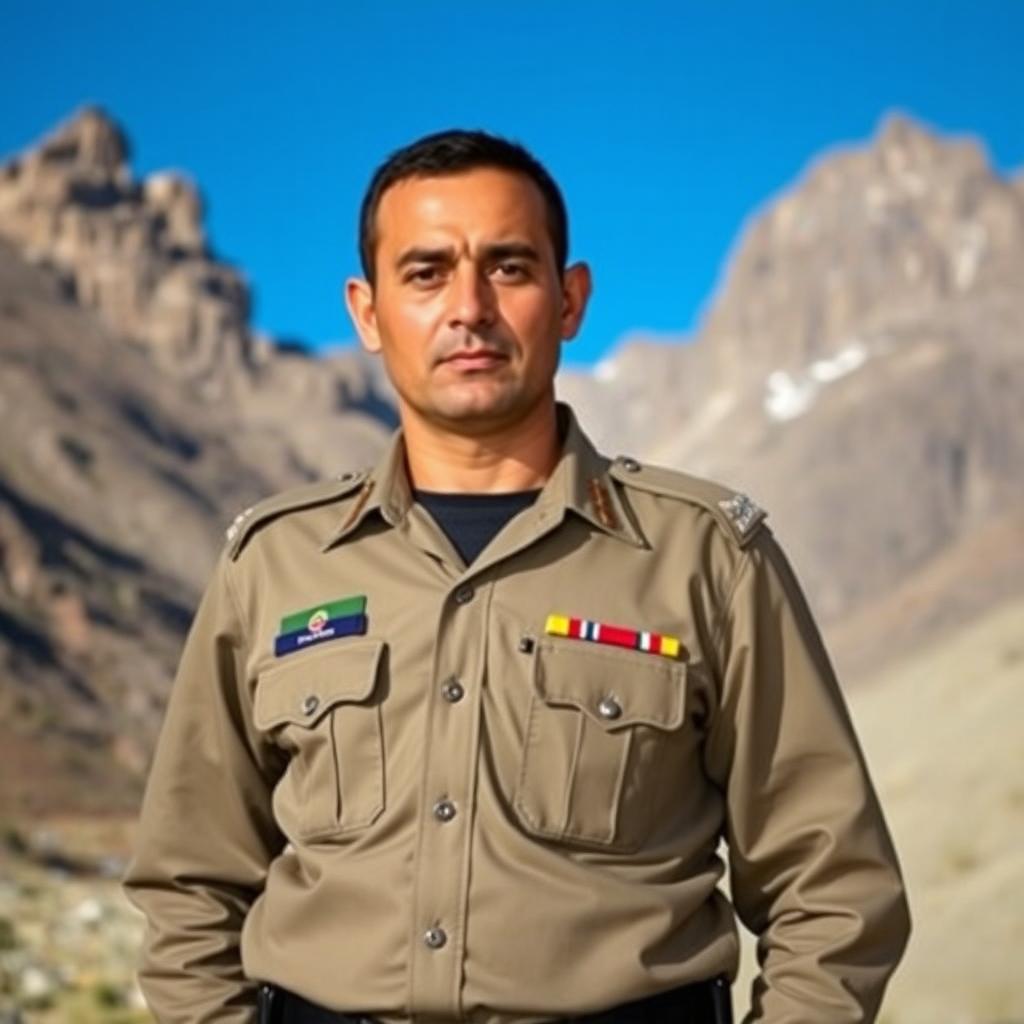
(475, 403)
(478, 406)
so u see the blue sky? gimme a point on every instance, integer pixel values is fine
(667, 124)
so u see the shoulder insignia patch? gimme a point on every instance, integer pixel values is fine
(292, 500)
(742, 512)
(736, 513)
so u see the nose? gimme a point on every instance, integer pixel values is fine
(471, 299)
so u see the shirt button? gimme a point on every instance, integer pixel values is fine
(444, 810)
(435, 938)
(630, 465)
(463, 594)
(609, 708)
(452, 691)
(310, 704)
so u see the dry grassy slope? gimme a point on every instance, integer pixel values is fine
(942, 733)
(980, 570)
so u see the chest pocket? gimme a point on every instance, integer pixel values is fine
(598, 724)
(323, 708)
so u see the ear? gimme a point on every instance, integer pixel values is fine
(359, 299)
(575, 294)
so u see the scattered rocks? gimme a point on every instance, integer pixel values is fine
(72, 953)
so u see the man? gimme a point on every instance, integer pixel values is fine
(458, 737)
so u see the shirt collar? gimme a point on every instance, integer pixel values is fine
(579, 484)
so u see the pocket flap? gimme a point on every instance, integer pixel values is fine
(616, 688)
(304, 688)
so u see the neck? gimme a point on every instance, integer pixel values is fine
(515, 457)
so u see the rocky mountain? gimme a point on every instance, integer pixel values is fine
(140, 414)
(136, 253)
(860, 373)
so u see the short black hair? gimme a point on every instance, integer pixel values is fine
(452, 152)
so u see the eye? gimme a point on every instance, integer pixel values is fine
(511, 270)
(423, 275)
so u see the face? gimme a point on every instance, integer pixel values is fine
(468, 309)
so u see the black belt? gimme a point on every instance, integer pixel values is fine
(705, 1002)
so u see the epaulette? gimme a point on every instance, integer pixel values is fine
(740, 517)
(292, 500)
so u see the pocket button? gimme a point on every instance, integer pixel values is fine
(444, 810)
(310, 704)
(453, 691)
(610, 709)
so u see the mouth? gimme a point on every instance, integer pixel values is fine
(476, 359)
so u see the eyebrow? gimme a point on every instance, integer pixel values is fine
(492, 253)
(422, 255)
(508, 250)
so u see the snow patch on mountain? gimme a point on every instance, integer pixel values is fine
(789, 395)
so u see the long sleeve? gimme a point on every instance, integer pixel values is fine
(207, 833)
(813, 869)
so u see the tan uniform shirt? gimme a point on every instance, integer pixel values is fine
(455, 816)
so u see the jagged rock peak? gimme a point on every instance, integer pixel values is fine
(889, 229)
(82, 166)
(907, 144)
(898, 130)
(134, 251)
(89, 141)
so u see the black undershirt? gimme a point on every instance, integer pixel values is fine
(471, 521)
